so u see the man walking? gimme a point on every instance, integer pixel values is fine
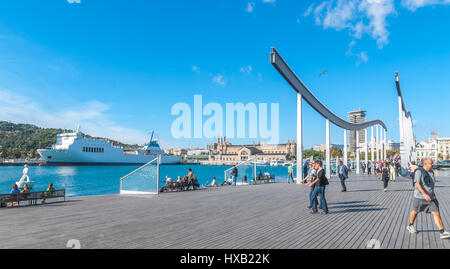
(342, 172)
(290, 173)
(425, 199)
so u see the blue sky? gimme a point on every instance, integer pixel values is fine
(117, 67)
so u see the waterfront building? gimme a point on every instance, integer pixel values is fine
(391, 145)
(198, 152)
(236, 153)
(180, 152)
(356, 116)
(323, 147)
(435, 148)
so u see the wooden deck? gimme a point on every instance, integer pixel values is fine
(263, 216)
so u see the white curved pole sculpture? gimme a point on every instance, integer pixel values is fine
(304, 93)
(407, 140)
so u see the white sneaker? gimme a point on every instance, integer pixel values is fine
(445, 235)
(411, 229)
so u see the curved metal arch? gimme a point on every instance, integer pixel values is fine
(279, 63)
(399, 92)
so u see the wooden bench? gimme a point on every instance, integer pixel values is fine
(266, 179)
(31, 197)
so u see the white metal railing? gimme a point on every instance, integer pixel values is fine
(158, 162)
(249, 162)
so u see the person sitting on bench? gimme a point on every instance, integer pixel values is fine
(259, 176)
(49, 192)
(15, 189)
(169, 183)
(25, 189)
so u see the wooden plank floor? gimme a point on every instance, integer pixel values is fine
(262, 216)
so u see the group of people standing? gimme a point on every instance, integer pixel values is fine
(423, 180)
(317, 181)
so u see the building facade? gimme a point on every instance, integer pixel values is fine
(265, 152)
(435, 148)
(357, 116)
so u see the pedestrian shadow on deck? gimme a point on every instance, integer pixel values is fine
(350, 202)
(354, 210)
(364, 190)
(353, 206)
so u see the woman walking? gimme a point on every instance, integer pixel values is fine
(385, 176)
(319, 189)
(392, 171)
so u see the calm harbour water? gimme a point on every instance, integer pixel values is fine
(97, 180)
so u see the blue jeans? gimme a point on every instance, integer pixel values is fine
(234, 180)
(320, 191)
(311, 191)
(342, 178)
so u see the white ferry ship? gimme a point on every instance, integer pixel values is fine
(74, 149)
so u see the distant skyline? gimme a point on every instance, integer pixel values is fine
(118, 67)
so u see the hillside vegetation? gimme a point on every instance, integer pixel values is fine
(22, 140)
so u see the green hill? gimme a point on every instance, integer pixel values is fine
(22, 140)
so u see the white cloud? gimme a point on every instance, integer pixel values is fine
(250, 7)
(91, 115)
(269, 1)
(246, 69)
(219, 80)
(413, 5)
(74, 1)
(356, 16)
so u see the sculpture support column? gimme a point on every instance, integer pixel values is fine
(357, 152)
(366, 154)
(345, 147)
(300, 175)
(328, 156)
(377, 143)
(384, 145)
(372, 144)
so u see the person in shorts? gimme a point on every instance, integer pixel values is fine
(425, 199)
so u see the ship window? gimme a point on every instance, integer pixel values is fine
(83, 149)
